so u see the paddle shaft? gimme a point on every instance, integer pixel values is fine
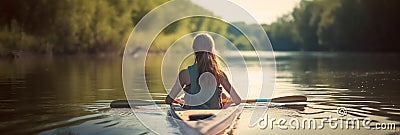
(278, 100)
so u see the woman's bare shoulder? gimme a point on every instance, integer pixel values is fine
(184, 76)
(184, 72)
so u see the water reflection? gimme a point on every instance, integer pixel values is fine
(71, 94)
(364, 83)
(37, 93)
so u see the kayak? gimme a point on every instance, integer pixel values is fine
(211, 121)
(204, 121)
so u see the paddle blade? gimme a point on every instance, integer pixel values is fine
(119, 104)
(128, 104)
(289, 99)
(284, 99)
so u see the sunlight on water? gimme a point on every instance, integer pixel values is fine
(66, 95)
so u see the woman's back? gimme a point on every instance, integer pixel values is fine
(201, 80)
(207, 95)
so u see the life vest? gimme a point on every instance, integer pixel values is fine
(214, 102)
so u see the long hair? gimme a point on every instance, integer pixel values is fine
(205, 58)
(207, 62)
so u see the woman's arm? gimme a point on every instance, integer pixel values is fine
(232, 92)
(181, 80)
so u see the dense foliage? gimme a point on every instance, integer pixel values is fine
(103, 26)
(69, 26)
(338, 25)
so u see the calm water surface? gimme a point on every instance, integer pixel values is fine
(71, 95)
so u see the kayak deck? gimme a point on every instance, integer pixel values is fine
(184, 115)
(219, 121)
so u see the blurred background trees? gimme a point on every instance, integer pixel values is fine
(103, 26)
(339, 25)
(69, 26)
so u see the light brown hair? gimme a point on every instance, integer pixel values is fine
(205, 58)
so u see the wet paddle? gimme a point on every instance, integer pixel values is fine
(284, 99)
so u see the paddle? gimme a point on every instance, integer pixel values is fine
(279, 99)
(285, 99)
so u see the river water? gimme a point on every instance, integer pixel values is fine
(71, 94)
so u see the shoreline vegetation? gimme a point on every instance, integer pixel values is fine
(102, 27)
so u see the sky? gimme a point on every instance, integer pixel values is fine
(264, 11)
